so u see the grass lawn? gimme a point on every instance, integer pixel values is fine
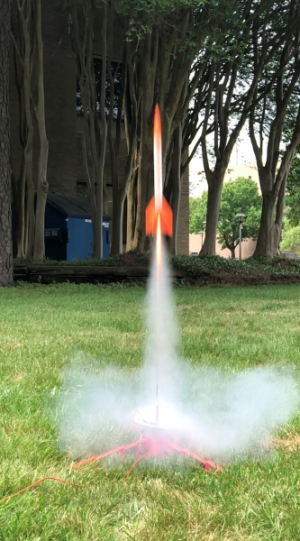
(42, 327)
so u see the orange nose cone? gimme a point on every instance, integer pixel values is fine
(157, 122)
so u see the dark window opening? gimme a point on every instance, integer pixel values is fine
(116, 70)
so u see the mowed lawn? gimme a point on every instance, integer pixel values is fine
(43, 327)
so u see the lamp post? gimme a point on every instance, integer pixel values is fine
(240, 216)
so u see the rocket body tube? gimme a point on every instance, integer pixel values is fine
(158, 204)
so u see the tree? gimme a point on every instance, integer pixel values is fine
(6, 264)
(29, 71)
(163, 40)
(266, 127)
(94, 139)
(197, 208)
(233, 77)
(238, 196)
(291, 239)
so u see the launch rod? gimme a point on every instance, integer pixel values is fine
(157, 149)
(158, 195)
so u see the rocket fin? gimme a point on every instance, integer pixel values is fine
(151, 218)
(166, 218)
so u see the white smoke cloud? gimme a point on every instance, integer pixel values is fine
(217, 414)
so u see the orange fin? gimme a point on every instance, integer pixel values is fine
(151, 218)
(166, 218)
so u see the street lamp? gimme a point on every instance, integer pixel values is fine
(240, 216)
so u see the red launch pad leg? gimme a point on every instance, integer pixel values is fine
(151, 446)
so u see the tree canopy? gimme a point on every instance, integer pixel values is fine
(240, 195)
(293, 191)
(198, 208)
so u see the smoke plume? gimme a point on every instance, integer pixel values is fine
(217, 414)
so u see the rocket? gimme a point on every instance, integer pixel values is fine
(158, 209)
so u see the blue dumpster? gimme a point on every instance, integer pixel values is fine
(68, 228)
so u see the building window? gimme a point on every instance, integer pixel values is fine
(116, 73)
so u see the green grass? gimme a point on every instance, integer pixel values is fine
(42, 327)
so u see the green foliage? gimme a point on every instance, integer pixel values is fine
(142, 15)
(219, 270)
(207, 270)
(238, 196)
(291, 239)
(293, 189)
(197, 211)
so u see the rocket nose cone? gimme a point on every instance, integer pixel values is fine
(157, 122)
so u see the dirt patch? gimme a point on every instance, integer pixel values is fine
(290, 444)
(17, 377)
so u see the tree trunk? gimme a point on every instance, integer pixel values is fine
(117, 221)
(42, 184)
(279, 212)
(145, 180)
(131, 214)
(176, 184)
(24, 186)
(268, 235)
(6, 261)
(212, 215)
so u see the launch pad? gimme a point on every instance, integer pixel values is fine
(156, 423)
(159, 442)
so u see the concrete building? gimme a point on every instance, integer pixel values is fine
(66, 172)
(196, 240)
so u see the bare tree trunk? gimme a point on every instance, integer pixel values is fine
(270, 223)
(24, 185)
(98, 240)
(81, 29)
(176, 184)
(265, 245)
(6, 261)
(212, 214)
(117, 224)
(144, 184)
(279, 212)
(42, 184)
(131, 213)
(145, 180)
